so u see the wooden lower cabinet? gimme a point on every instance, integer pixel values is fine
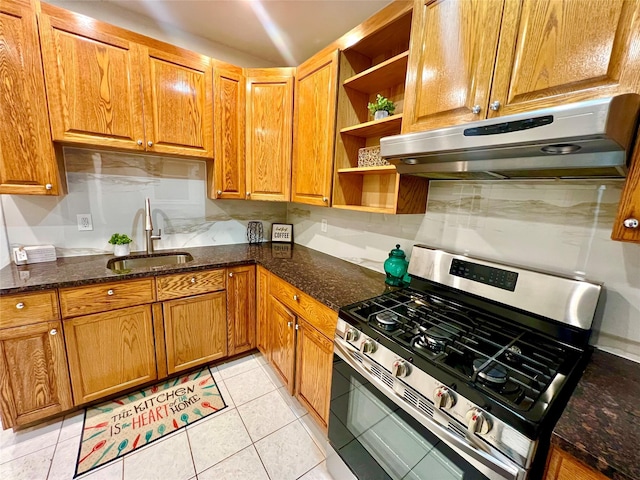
(262, 302)
(34, 381)
(110, 352)
(195, 330)
(241, 308)
(562, 466)
(314, 361)
(282, 323)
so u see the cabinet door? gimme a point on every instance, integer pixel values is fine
(262, 321)
(93, 83)
(28, 163)
(34, 381)
(554, 52)
(562, 466)
(229, 110)
(314, 361)
(178, 106)
(269, 132)
(110, 352)
(451, 58)
(195, 330)
(241, 308)
(282, 341)
(629, 206)
(314, 130)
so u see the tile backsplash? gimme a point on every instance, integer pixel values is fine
(112, 188)
(557, 226)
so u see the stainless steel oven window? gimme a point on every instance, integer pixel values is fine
(379, 440)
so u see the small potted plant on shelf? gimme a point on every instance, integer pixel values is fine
(381, 108)
(121, 244)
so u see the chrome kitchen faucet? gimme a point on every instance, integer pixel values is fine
(148, 228)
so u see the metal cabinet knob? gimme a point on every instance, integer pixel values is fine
(325, 199)
(495, 106)
(48, 186)
(20, 305)
(476, 109)
(193, 279)
(297, 326)
(631, 223)
(53, 331)
(139, 142)
(219, 192)
(231, 274)
(289, 324)
(109, 292)
(296, 298)
(248, 194)
(150, 143)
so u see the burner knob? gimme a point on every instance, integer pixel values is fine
(477, 422)
(368, 346)
(442, 398)
(400, 369)
(351, 335)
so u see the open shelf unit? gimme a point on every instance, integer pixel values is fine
(375, 64)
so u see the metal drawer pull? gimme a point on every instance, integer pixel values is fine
(289, 324)
(20, 306)
(231, 274)
(53, 331)
(296, 298)
(193, 279)
(109, 292)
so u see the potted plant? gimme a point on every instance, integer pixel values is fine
(121, 244)
(382, 107)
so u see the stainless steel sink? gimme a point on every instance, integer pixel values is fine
(123, 265)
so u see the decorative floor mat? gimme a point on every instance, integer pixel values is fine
(118, 427)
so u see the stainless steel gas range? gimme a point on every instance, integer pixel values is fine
(461, 375)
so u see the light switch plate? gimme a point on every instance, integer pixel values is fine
(84, 222)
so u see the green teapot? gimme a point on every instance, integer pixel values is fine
(395, 267)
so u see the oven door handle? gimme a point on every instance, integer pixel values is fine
(485, 462)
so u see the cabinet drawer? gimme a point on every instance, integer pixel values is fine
(192, 283)
(318, 315)
(105, 296)
(27, 308)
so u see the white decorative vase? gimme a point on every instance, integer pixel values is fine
(122, 250)
(380, 114)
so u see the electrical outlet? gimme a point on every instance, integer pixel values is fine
(84, 222)
(323, 225)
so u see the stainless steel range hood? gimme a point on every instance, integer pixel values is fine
(579, 140)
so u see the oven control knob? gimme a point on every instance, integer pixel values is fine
(400, 369)
(442, 398)
(477, 422)
(368, 346)
(351, 335)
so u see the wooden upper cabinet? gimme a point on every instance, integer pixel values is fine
(28, 162)
(314, 129)
(93, 83)
(229, 136)
(629, 206)
(178, 102)
(554, 52)
(452, 53)
(269, 131)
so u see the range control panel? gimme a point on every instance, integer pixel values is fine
(496, 277)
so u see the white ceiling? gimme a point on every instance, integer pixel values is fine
(284, 32)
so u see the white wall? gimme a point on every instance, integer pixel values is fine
(112, 188)
(110, 13)
(557, 226)
(4, 242)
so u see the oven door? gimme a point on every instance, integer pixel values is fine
(379, 436)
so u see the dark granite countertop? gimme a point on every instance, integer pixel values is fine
(601, 424)
(330, 280)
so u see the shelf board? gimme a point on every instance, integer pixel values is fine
(378, 170)
(379, 77)
(376, 128)
(364, 208)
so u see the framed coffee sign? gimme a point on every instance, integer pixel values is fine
(282, 232)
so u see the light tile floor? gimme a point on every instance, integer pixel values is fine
(264, 434)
